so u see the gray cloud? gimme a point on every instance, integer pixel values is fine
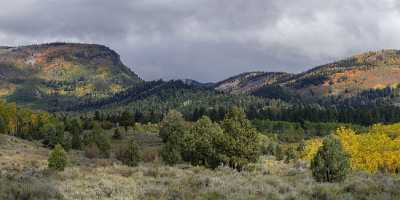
(209, 40)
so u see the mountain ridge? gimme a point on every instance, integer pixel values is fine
(346, 77)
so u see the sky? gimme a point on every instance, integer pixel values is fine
(209, 40)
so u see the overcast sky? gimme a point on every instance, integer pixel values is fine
(209, 40)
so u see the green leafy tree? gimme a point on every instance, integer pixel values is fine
(202, 143)
(129, 154)
(54, 134)
(102, 141)
(57, 158)
(98, 137)
(173, 127)
(171, 154)
(241, 141)
(330, 164)
(172, 132)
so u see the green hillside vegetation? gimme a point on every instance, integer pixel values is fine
(57, 73)
(25, 173)
(345, 78)
(75, 123)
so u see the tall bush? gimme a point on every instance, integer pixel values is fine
(330, 164)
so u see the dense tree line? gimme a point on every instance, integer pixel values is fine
(232, 142)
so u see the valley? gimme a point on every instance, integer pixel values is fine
(77, 123)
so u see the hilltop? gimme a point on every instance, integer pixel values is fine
(49, 73)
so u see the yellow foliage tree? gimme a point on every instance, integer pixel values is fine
(311, 148)
(378, 149)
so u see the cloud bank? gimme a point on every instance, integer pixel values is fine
(209, 40)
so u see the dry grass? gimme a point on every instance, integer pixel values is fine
(267, 179)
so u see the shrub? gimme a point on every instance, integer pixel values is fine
(76, 142)
(102, 141)
(270, 149)
(279, 153)
(92, 151)
(106, 125)
(3, 125)
(150, 154)
(171, 154)
(129, 154)
(27, 188)
(57, 158)
(290, 154)
(117, 134)
(330, 164)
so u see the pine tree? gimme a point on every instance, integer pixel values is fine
(173, 128)
(57, 158)
(202, 143)
(241, 140)
(330, 164)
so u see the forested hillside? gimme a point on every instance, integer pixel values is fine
(47, 75)
(343, 79)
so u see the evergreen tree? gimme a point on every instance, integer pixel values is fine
(129, 154)
(330, 164)
(76, 142)
(76, 129)
(202, 143)
(241, 141)
(173, 127)
(171, 154)
(102, 142)
(57, 158)
(3, 125)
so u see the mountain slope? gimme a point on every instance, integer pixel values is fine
(348, 77)
(61, 70)
(345, 78)
(251, 81)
